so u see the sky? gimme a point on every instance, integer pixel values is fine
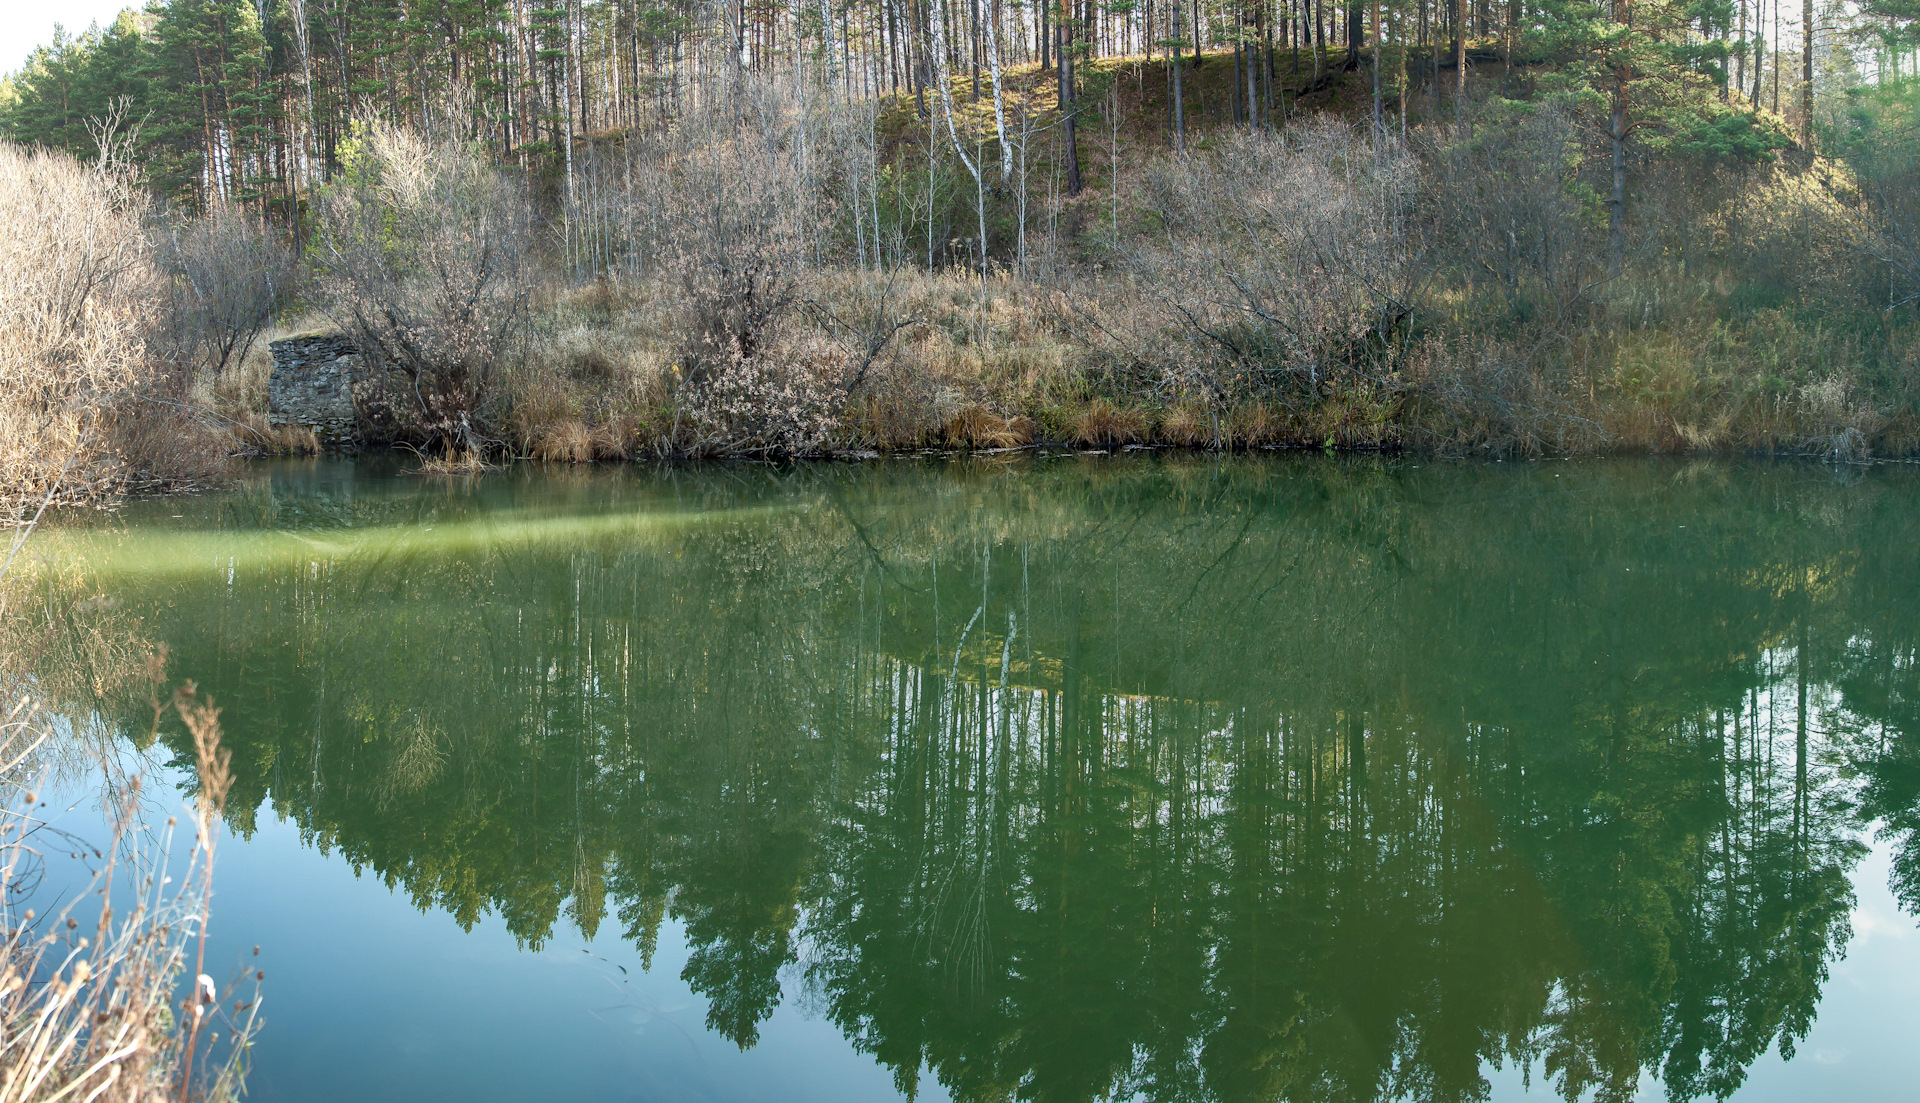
(25, 24)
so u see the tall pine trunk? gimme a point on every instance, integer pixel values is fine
(1175, 63)
(1806, 75)
(1379, 126)
(1065, 19)
(1617, 206)
(1460, 60)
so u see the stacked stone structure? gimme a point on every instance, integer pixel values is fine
(313, 384)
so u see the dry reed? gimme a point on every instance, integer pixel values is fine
(88, 1007)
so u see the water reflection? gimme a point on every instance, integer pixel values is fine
(1183, 779)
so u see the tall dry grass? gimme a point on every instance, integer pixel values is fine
(91, 1006)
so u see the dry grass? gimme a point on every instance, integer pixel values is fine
(597, 381)
(250, 434)
(1188, 426)
(978, 427)
(87, 990)
(567, 441)
(1011, 364)
(1103, 425)
(469, 461)
(1252, 426)
(290, 440)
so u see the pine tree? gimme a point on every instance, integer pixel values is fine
(1635, 66)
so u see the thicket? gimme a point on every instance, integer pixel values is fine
(1324, 282)
(73, 317)
(116, 317)
(421, 255)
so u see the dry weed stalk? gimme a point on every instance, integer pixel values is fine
(92, 1017)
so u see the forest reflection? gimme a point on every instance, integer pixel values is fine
(1185, 779)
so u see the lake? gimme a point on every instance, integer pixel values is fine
(1066, 777)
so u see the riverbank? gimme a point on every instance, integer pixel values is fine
(1453, 288)
(1003, 363)
(981, 365)
(786, 274)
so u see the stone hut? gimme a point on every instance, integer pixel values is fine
(313, 384)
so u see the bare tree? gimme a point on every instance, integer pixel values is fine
(1884, 226)
(943, 80)
(1283, 262)
(729, 196)
(224, 275)
(422, 257)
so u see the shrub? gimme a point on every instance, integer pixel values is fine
(1283, 260)
(422, 256)
(1503, 197)
(788, 402)
(1882, 146)
(719, 206)
(225, 273)
(75, 302)
(1483, 395)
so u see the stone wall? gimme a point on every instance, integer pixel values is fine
(313, 384)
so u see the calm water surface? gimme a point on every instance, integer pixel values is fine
(1058, 779)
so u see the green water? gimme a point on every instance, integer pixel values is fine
(1054, 779)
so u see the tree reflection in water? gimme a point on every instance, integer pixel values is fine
(1191, 779)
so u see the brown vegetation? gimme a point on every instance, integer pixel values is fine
(422, 256)
(782, 272)
(88, 988)
(114, 328)
(1319, 286)
(75, 309)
